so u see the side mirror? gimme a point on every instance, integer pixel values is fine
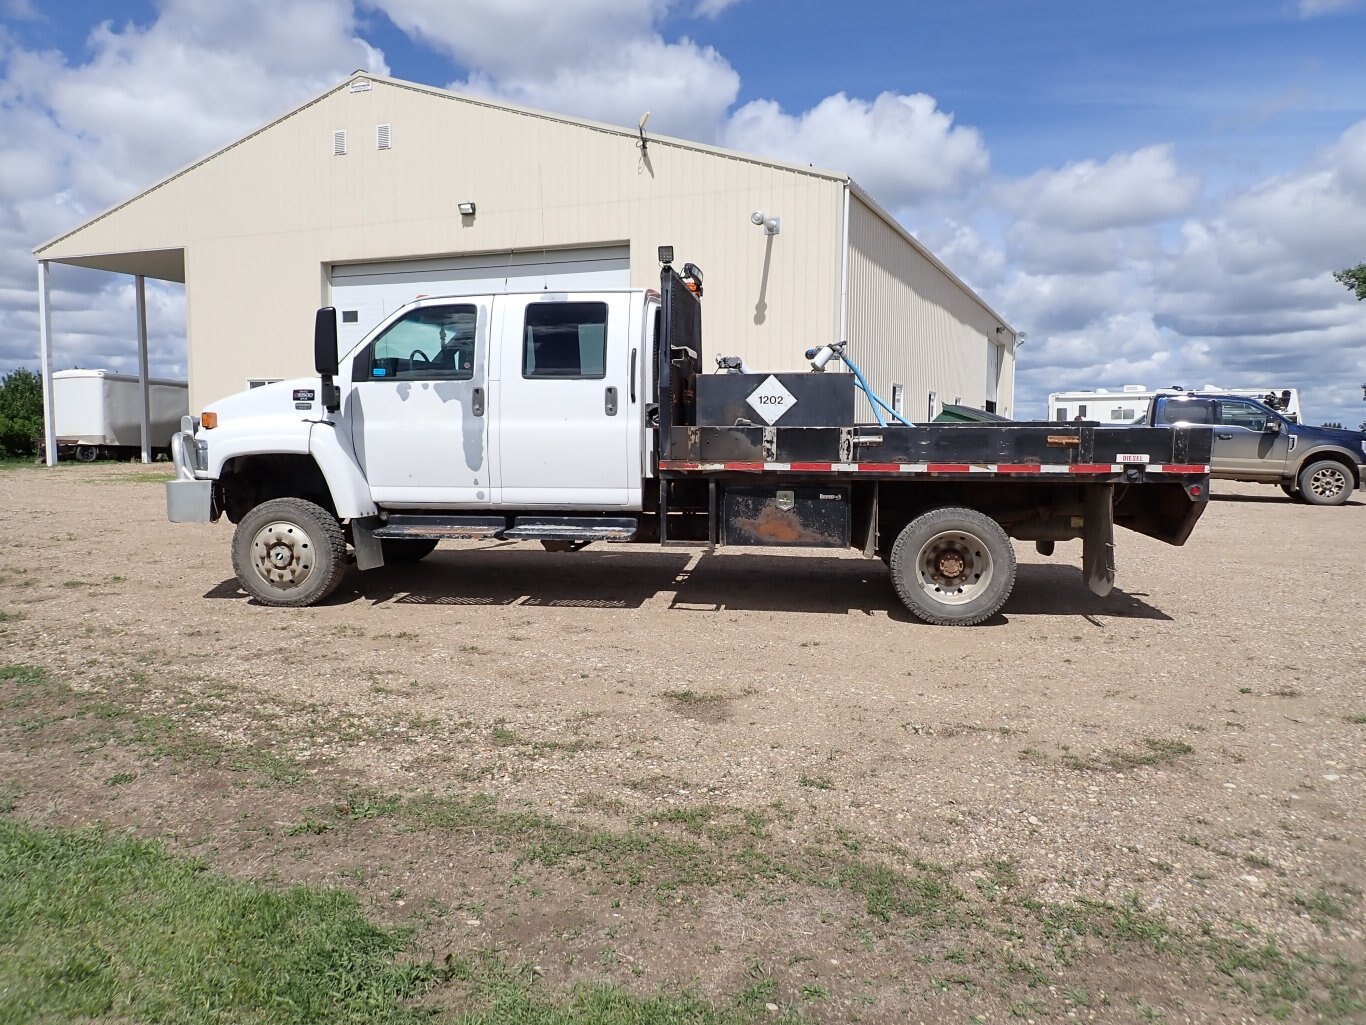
(325, 342)
(325, 355)
(1273, 426)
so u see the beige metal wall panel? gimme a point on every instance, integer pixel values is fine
(911, 323)
(261, 221)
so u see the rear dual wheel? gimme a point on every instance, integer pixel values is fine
(953, 567)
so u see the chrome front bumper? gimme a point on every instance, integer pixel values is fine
(188, 499)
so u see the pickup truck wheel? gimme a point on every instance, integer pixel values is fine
(401, 551)
(289, 552)
(1325, 483)
(953, 567)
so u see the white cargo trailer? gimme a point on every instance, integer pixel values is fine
(99, 413)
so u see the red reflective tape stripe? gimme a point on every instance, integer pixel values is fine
(810, 467)
(743, 466)
(880, 467)
(676, 464)
(1091, 468)
(1018, 468)
(949, 468)
(1184, 468)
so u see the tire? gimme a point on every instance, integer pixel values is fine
(87, 453)
(1325, 483)
(953, 567)
(1292, 492)
(402, 551)
(289, 553)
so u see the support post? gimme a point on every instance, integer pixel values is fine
(144, 387)
(45, 358)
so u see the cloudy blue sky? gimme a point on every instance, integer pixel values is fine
(1156, 193)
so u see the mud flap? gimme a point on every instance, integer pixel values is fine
(369, 552)
(1098, 539)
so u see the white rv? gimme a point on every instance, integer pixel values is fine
(1129, 404)
(99, 413)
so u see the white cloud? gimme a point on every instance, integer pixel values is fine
(19, 10)
(712, 8)
(601, 59)
(686, 88)
(76, 138)
(903, 149)
(1314, 8)
(1241, 294)
(1128, 189)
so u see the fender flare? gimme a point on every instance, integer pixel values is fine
(1336, 455)
(349, 488)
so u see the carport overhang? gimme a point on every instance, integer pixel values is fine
(161, 264)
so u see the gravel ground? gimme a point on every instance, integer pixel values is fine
(1196, 737)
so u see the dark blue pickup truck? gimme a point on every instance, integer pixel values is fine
(1318, 465)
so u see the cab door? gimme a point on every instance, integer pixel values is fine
(563, 412)
(1245, 445)
(418, 398)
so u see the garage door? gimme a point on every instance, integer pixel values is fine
(365, 293)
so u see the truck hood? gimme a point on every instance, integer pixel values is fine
(1332, 436)
(299, 395)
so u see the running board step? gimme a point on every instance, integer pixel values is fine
(440, 527)
(572, 528)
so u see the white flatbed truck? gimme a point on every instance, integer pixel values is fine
(574, 418)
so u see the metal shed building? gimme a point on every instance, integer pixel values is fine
(355, 200)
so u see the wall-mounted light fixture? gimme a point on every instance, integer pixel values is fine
(771, 225)
(466, 209)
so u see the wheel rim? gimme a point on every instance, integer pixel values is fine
(1328, 482)
(954, 567)
(282, 554)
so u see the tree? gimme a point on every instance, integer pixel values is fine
(21, 413)
(1353, 278)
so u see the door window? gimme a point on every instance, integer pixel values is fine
(432, 343)
(1186, 411)
(565, 340)
(1235, 413)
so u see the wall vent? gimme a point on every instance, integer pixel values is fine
(381, 137)
(361, 85)
(339, 143)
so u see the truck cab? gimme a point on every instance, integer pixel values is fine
(1252, 442)
(477, 402)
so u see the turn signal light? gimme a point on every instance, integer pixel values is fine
(208, 421)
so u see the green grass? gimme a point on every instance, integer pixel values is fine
(111, 928)
(100, 927)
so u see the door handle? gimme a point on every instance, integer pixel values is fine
(633, 376)
(609, 404)
(1224, 437)
(478, 402)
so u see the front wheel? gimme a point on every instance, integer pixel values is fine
(1292, 492)
(953, 567)
(289, 552)
(1325, 483)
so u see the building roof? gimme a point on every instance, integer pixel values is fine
(447, 94)
(169, 264)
